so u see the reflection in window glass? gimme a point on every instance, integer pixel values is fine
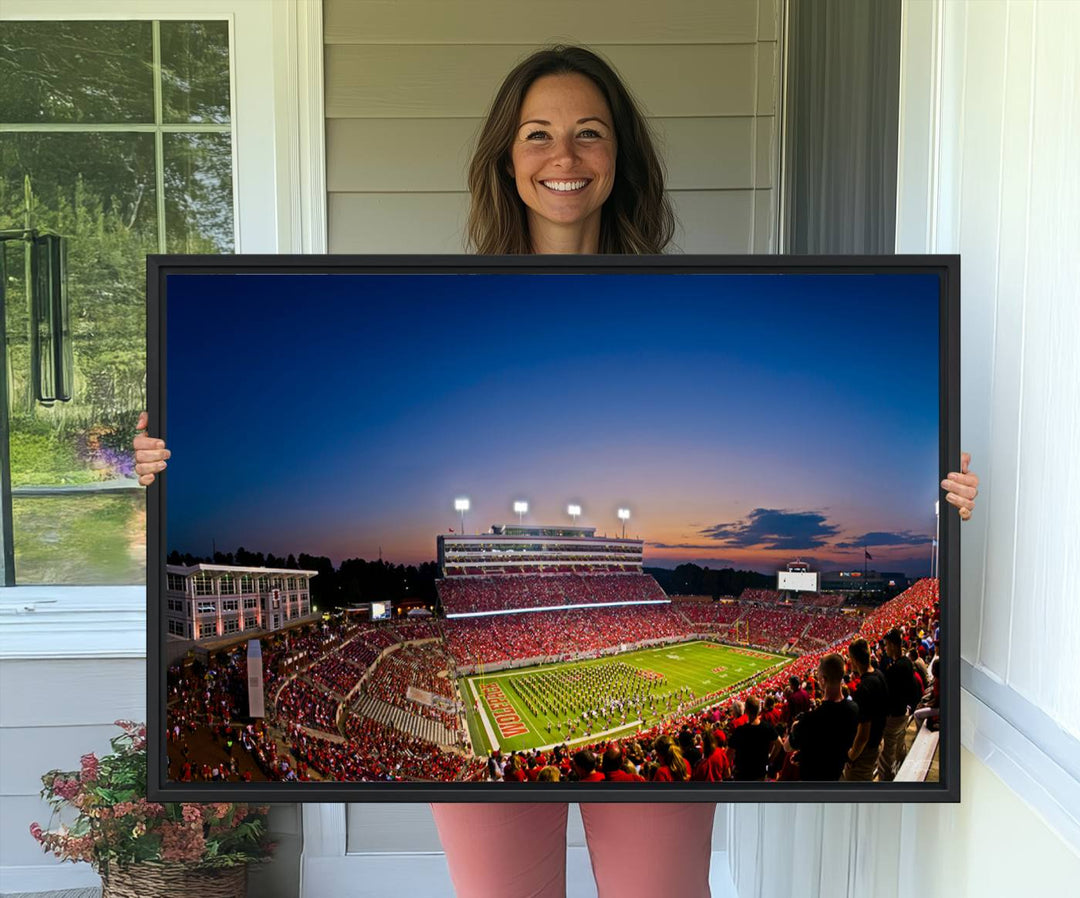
(68, 72)
(195, 72)
(198, 193)
(97, 185)
(85, 540)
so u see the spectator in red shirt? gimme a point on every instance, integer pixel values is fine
(585, 767)
(617, 768)
(798, 700)
(673, 767)
(714, 765)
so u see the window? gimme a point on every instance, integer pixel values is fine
(251, 603)
(231, 625)
(121, 142)
(230, 604)
(177, 627)
(177, 582)
(176, 605)
(247, 583)
(226, 585)
(264, 584)
(206, 608)
(251, 621)
(204, 584)
(207, 629)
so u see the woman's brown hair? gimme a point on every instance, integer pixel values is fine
(668, 752)
(637, 216)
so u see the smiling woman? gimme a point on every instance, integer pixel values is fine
(562, 117)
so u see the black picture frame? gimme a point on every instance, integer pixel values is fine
(947, 789)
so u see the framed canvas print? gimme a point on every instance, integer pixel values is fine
(590, 528)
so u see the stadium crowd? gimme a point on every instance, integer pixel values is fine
(843, 709)
(504, 593)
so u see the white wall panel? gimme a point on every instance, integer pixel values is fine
(990, 138)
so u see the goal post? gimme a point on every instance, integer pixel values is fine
(740, 632)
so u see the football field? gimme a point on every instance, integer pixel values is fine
(576, 701)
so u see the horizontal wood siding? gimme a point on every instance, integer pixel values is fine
(478, 22)
(408, 84)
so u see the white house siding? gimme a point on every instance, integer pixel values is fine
(408, 83)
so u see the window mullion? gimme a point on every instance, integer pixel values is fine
(159, 136)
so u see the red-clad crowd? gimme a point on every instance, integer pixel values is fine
(503, 593)
(303, 669)
(558, 634)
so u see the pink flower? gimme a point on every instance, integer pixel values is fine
(192, 813)
(89, 767)
(36, 832)
(66, 789)
(181, 842)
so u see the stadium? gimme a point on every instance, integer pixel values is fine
(554, 656)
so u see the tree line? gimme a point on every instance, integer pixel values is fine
(354, 580)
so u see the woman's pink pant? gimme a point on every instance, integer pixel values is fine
(519, 850)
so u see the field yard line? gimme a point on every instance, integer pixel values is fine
(630, 724)
(483, 716)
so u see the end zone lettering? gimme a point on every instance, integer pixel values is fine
(510, 724)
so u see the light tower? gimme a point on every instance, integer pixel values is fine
(936, 551)
(521, 507)
(624, 516)
(462, 505)
(574, 511)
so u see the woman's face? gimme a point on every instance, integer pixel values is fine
(563, 154)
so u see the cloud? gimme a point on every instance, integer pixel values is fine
(651, 545)
(773, 528)
(881, 539)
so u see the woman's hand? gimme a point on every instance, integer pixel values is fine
(150, 453)
(960, 488)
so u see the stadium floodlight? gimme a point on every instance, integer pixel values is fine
(462, 505)
(573, 511)
(624, 516)
(521, 507)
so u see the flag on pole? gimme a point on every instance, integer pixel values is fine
(868, 555)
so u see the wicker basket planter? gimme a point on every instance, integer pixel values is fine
(149, 880)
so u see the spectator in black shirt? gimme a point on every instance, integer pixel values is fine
(753, 743)
(823, 736)
(872, 698)
(903, 696)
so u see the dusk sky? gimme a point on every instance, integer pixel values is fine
(746, 420)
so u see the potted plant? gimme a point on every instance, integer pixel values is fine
(143, 848)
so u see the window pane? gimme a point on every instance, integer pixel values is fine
(76, 72)
(98, 191)
(198, 193)
(83, 540)
(195, 72)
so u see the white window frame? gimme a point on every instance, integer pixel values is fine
(279, 206)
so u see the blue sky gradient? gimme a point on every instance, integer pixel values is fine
(745, 420)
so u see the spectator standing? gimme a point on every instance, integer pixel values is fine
(753, 743)
(904, 695)
(823, 736)
(872, 699)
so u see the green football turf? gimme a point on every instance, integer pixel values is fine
(689, 664)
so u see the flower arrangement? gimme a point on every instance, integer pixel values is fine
(116, 825)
